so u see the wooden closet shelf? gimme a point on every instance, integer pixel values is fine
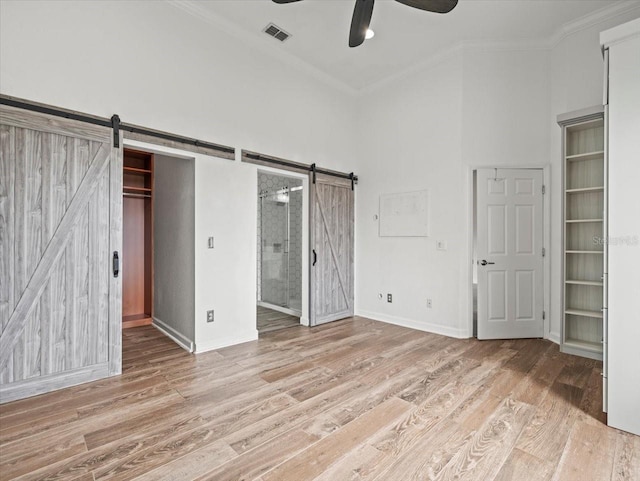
(136, 189)
(583, 313)
(582, 344)
(586, 156)
(583, 283)
(577, 221)
(136, 170)
(584, 189)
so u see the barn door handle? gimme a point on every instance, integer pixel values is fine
(483, 262)
(116, 264)
(315, 257)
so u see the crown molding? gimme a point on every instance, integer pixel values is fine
(593, 18)
(254, 41)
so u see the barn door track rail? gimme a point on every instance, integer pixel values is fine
(313, 169)
(114, 123)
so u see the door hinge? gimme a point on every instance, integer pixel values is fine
(313, 172)
(544, 315)
(544, 190)
(544, 252)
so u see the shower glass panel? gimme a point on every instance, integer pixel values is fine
(280, 241)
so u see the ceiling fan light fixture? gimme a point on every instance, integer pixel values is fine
(369, 35)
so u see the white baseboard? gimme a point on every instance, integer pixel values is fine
(554, 337)
(417, 325)
(181, 340)
(304, 321)
(225, 342)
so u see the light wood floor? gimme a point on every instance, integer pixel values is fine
(350, 400)
(272, 320)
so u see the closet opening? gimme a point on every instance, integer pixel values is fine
(280, 251)
(137, 238)
(158, 244)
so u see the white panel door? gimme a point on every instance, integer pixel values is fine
(509, 250)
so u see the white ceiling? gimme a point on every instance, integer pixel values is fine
(404, 35)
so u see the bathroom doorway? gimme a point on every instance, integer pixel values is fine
(280, 251)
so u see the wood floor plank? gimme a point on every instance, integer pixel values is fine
(311, 462)
(486, 451)
(521, 466)
(589, 454)
(547, 434)
(261, 459)
(626, 463)
(191, 465)
(319, 403)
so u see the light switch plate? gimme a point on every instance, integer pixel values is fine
(210, 243)
(210, 316)
(441, 245)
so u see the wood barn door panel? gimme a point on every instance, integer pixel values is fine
(56, 216)
(332, 238)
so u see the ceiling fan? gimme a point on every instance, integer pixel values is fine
(364, 9)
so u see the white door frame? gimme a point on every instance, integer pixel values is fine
(546, 240)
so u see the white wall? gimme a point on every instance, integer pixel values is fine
(157, 66)
(174, 247)
(411, 140)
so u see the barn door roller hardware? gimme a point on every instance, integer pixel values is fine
(115, 124)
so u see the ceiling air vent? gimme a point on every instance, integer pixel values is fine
(276, 32)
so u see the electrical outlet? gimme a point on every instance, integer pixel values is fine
(210, 243)
(429, 305)
(210, 316)
(389, 298)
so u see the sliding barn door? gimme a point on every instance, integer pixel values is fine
(332, 246)
(60, 217)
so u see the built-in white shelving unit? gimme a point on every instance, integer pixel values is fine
(584, 227)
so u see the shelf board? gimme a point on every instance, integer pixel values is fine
(137, 189)
(584, 252)
(578, 221)
(586, 345)
(583, 283)
(583, 313)
(135, 170)
(586, 156)
(584, 189)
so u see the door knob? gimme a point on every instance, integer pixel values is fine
(483, 262)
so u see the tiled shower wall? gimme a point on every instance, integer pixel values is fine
(273, 278)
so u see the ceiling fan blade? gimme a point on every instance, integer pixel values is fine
(360, 22)
(437, 6)
(285, 1)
